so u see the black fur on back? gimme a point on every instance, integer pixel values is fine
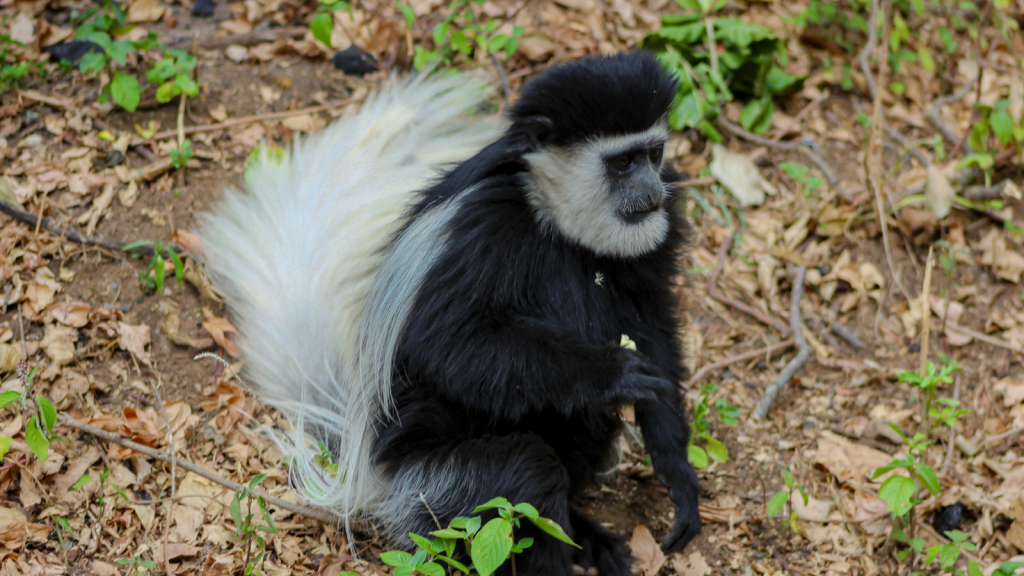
(598, 96)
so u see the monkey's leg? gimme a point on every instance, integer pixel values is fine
(455, 480)
(601, 548)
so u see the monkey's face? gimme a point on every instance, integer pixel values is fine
(605, 193)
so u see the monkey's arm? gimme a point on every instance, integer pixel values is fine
(666, 435)
(508, 365)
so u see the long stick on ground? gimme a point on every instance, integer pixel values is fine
(70, 232)
(802, 357)
(766, 351)
(309, 512)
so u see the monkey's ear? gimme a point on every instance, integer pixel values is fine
(537, 129)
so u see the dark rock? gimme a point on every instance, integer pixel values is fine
(202, 8)
(949, 518)
(72, 51)
(355, 61)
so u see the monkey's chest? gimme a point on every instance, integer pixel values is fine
(588, 304)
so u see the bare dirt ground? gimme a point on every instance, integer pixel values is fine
(109, 352)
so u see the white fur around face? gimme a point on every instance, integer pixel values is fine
(570, 192)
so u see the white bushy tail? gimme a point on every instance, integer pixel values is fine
(296, 255)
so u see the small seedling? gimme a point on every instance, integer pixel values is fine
(488, 545)
(785, 496)
(182, 154)
(323, 23)
(153, 277)
(699, 432)
(462, 32)
(174, 75)
(247, 530)
(136, 562)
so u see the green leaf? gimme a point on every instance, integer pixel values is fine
(897, 492)
(35, 439)
(497, 43)
(118, 51)
(776, 502)
(787, 478)
(717, 451)
(186, 85)
(165, 92)
(460, 43)
(5, 445)
(396, 558)
(948, 556)
(553, 529)
(527, 510)
(492, 504)
(8, 397)
(148, 564)
(92, 62)
(741, 34)
(49, 414)
(448, 533)
(440, 33)
(431, 569)
(161, 71)
(778, 80)
(124, 561)
(491, 546)
(124, 88)
(255, 481)
(408, 13)
(236, 514)
(134, 245)
(982, 160)
(973, 569)
(1002, 126)
(925, 57)
(81, 482)
(928, 477)
(757, 115)
(473, 525)
(321, 27)
(698, 457)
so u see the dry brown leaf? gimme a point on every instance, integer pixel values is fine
(221, 330)
(15, 529)
(938, 193)
(188, 515)
(693, 564)
(145, 11)
(9, 356)
(171, 326)
(646, 552)
(1012, 391)
(100, 204)
(100, 568)
(74, 314)
(740, 176)
(59, 343)
(187, 240)
(847, 460)
(134, 339)
(195, 273)
(23, 29)
(173, 551)
(1005, 262)
(77, 466)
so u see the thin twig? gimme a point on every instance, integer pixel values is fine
(714, 293)
(1007, 434)
(766, 351)
(983, 337)
(846, 334)
(423, 498)
(317, 514)
(506, 89)
(802, 356)
(174, 471)
(247, 39)
(926, 314)
(817, 160)
(803, 113)
(70, 233)
(248, 120)
(932, 113)
(948, 463)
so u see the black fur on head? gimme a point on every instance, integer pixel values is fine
(595, 96)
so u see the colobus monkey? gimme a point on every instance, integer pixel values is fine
(439, 301)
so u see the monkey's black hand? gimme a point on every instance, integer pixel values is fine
(639, 382)
(686, 528)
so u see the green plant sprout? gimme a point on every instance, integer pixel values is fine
(801, 174)
(153, 277)
(136, 562)
(699, 432)
(182, 154)
(323, 23)
(11, 73)
(749, 68)
(462, 32)
(784, 497)
(247, 530)
(488, 545)
(173, 74)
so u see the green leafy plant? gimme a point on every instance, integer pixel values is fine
(900, 491)
(487, 545)
(323, 23)
(173, 74)
(39, 427)
(247, 529)
(182, 154)
(11, 70)
(993, 128)
(802, 175)
(101, 25)
(462, 32)
(136, 562)
(153, 277)
(749, 69)
(699, 432)
(785, 496)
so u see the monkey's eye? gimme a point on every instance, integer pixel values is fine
(655, 154)
(622, 163)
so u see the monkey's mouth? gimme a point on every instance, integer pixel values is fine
(636, 214)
